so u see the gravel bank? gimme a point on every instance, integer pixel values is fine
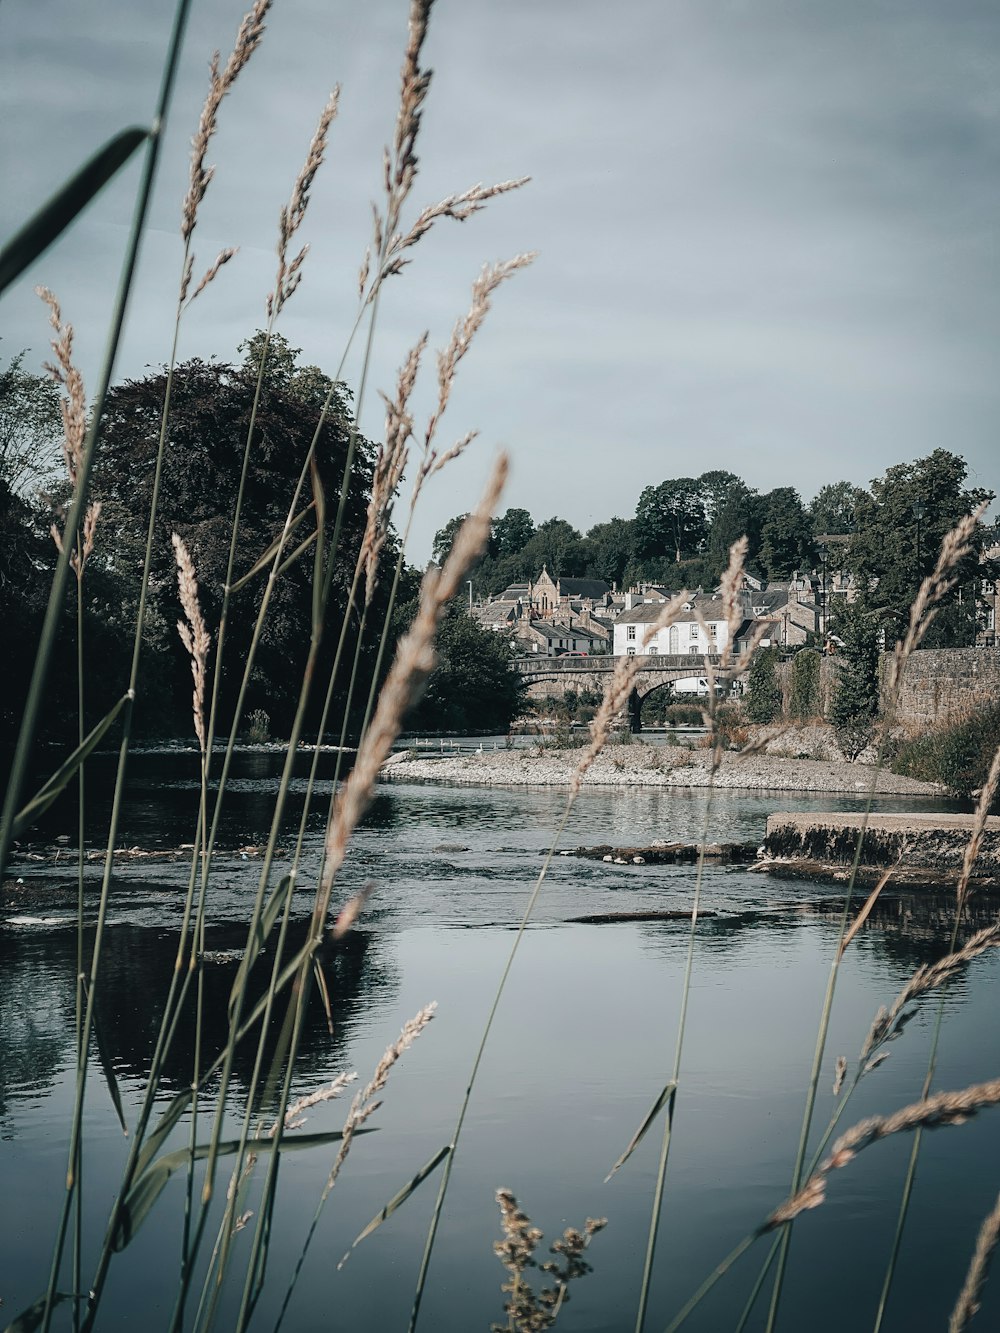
(650, 766)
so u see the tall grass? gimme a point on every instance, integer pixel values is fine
(210, 1265)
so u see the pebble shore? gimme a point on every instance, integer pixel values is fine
(650, 766)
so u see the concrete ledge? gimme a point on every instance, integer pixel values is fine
(930, 841)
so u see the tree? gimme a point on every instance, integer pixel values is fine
(899, 526)
(210, 410)
(786, 543)
(763, 689)
(557, 545)
(472, 689)
(715, 488)
(671, 518)
(511, 532)
(444, 538)
(831, 509)
(740, 516)
(855, 705)
(30, 427)
(610, 549)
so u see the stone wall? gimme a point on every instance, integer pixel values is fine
(949, 682)
(939, 683)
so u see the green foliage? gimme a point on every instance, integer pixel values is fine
(472, 689)
(805, 700)
(856, 695)
(786, 543)
(210, 408)
(670, 519)
(763, 703)
(892, 549)
(958, 754)
(30, 427)
(832, 508)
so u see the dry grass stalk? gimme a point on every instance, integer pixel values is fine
(73, 406)
(194, 634)
(838, 1074)
(619, 688)
(367, 1101)
(248, 38)
(400, 167)
(294, 1118)
(351, 910)
(223, 257)
(390, 464)
(957, 544)
(292, 214)
(415, 660)
(526, 1310)
(944, 1108)
(890, 1022)
(967, 1305)
(983, 806)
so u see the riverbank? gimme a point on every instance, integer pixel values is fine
(651, 766)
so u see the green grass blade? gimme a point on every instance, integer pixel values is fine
(61, 778)
(262, 563)
(149, 1185)
(273, 908)
(668, 1091)
(107, 1066)
(28, 1320)
(399, 1199)
(54, 217)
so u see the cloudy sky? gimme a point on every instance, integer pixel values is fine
(767, 228)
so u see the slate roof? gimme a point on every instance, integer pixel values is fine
(515, 592)
(590, 588)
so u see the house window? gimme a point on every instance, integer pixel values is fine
(693, 649)
(631, 632)
(674, 639)
(712, 631)
(630, 651)
(653, 650)
(694, 629)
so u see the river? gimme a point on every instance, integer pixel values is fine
(583, 1043)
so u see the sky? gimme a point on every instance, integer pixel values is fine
(767, 231)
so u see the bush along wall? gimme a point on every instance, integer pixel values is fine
(763, 702)
(805, 701)
(957, 754)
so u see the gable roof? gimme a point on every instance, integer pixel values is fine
(592, 588)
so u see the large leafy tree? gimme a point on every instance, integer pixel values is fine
(899, 526)
(611, 549)
(472, 689)
(786, 543)
(832, 508)
(511, 533)
(740, 516)
(716, 487)
(210, 410)
(670, 519)
(30, 427)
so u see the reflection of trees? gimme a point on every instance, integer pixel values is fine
(137, 966)
(36, 1017)
(37, 1005)
(905, 928)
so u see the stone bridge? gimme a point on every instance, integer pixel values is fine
(551, 677)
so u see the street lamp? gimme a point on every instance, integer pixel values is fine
(469, 581)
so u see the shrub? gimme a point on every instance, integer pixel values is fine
(259, 730)
(957, 754)
(805, 702)
(763, 691)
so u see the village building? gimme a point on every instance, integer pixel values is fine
(545, 639)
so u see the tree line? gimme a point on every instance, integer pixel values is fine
(682, 529)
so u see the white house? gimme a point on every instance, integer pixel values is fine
(700, 629)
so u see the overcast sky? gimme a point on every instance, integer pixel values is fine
(768, 228)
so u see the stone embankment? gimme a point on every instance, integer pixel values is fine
(650, 766)
(932, 842)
